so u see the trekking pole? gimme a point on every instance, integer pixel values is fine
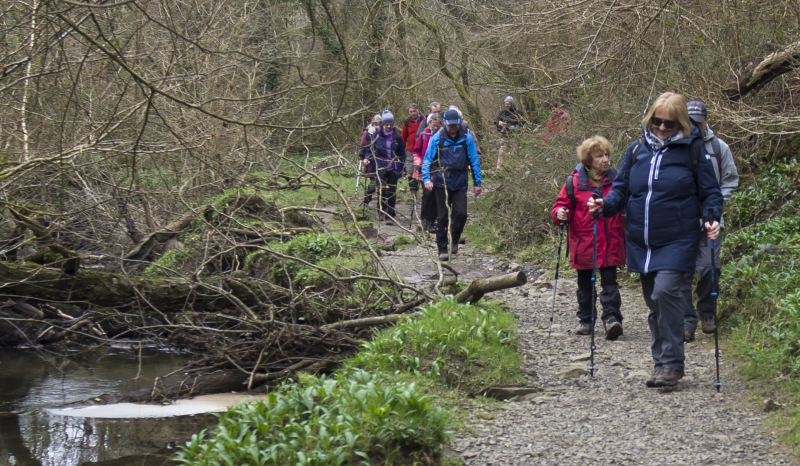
(596, 216)
(714, 292)
(555, 284)
(478, 215)
(413, 210)
(358, 176)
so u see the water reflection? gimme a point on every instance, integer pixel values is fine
(31, 435)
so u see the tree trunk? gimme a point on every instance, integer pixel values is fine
(759, 74)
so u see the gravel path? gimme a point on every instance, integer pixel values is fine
(611, 418)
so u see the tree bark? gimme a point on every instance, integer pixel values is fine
(478, 288)
(759, 74)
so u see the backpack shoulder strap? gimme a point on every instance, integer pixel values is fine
(635, 152)
(696, 151)
(570, 187)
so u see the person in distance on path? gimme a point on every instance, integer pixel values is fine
(593, 175)
(508, 120)
(728, 178)
(663, 188)
(435, 107)
(409, 135)
(559, 121)
(385, 160)
(364, 150)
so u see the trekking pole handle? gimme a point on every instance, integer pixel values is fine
(596, 213)
(710, 216)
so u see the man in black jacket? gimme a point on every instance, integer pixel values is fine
(508, 120)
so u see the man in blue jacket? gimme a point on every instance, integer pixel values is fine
(444, 171)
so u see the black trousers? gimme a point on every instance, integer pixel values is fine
(452, 204)
(610, 300)
(387, 186)
(428, 208)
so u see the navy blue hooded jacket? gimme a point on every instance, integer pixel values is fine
(447, 168)
(663, 197)
(385, 159)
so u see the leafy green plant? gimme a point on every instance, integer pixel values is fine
(352, 418)
(470, 347)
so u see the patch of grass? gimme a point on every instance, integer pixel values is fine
(316, 194)
(399, 242)
(170, 262)
(333, 253)
(468, 347)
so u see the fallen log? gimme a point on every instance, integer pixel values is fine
(471, 294)
(143, 249)
(478, 288)
(122, 292)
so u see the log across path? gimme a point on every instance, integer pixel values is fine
(611, 418)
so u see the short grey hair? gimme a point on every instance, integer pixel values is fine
(413, 106)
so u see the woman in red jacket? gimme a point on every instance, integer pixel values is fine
(593, 175)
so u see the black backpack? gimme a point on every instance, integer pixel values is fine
(442, 134)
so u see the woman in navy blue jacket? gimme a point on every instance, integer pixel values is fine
(665, 192)
(386, 159)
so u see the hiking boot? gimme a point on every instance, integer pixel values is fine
(668, 377)
(613, 328)
(707, 326)
(688, 336)
(583, 328)
(651, 382)
(444, 257)
(455, 249)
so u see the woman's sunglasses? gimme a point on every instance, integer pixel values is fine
(668, 124)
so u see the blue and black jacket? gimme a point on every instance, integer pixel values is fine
(447, 159)
(665, 197)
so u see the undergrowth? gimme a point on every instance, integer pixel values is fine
(383, 406)
(760, 289)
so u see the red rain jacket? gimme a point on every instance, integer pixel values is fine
(610, 230)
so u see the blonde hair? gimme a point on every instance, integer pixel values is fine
(591, 145)
(676, 105)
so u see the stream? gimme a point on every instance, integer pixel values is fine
(37, 429)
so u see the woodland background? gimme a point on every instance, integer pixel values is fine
(130, 130)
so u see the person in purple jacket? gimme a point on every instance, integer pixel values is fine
(386, 159)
